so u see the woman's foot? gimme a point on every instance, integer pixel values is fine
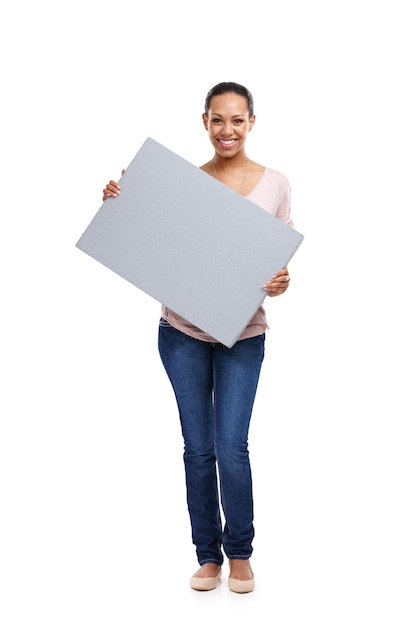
(241, 579)
(207, 577)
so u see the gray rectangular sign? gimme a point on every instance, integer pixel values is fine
(189, 242)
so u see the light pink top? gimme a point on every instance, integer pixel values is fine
(272, 193)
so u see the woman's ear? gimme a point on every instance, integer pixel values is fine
(205, 121)
(252, 121)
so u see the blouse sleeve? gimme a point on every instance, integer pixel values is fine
(284, 204)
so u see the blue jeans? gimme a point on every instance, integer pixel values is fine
(215, 389)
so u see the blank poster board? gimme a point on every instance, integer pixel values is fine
(189, 242)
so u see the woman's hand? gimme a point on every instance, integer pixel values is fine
(278, 283)
(112, 189)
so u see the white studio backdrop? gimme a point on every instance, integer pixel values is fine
(93, 514)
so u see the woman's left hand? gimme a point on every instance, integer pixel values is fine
(278, 283)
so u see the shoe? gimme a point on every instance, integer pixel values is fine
(242, 586)
(205, 584)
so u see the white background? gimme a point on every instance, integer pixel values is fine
(94, 527)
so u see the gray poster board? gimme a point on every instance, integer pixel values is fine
(189, 242)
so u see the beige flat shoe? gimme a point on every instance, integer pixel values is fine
(205, 584)
(241, 586)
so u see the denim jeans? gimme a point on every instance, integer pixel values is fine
(215, 389)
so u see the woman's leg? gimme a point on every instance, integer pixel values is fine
(236, 375)
(188, 363)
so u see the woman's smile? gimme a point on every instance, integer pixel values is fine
(227, 143)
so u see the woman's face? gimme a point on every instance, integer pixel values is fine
(228, 123)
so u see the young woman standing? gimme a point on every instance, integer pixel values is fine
(215, 386)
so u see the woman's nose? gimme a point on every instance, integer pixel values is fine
(227, 129)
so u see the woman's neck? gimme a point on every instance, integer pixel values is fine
(237, 162)
(231, 174)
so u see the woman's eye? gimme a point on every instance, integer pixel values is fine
(238, 121)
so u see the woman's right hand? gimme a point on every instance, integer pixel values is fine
(112, 189)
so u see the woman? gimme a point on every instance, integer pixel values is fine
(215, 386)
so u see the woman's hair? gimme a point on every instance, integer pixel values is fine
(221, 88)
